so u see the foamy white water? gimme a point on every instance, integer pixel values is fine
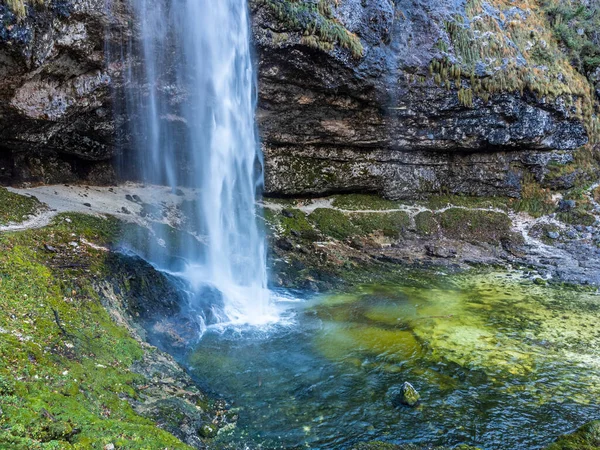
(191, 101)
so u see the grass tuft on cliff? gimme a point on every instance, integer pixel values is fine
(316, 23)
(19, 7)
(548, 48)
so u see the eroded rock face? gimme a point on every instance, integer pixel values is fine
(331, 122)
(348, 97)
(56, 121)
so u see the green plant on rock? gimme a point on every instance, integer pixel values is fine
(390, 224)
(575, 25)
(535, 200)
(333, 223)
(585, 438)
(426, 224)
(520, 52)
(316, 22)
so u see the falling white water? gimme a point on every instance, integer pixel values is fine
(191, 104)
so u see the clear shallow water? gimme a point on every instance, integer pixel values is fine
(499, 362)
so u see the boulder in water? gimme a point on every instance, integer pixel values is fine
(405, 395)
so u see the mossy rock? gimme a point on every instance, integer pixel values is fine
(475, 225)
(391, 224)
(208, 430)
(379, 445)
(316, 23)
(576, 217)
(544, 231)
(333, 223)
(426, 224)
(16, 208)
(65, 376)
(468, 201)
(585, 438)
(366, 202)
(289, 222)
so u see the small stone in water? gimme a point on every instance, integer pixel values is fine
(409, 395)
(553, 234)
(405, 395)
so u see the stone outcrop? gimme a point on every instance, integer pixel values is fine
(56, 114)
(400, 98)
(387, 121)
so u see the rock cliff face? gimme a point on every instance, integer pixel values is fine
(456, 96)
(402, 98)
(56, 115)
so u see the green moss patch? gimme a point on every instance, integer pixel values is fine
(442, 201)
(391, 224)
(333, 223)
(290, 222)
(475, 225)
(17, 208)
(426, 223)
(576, 217)
(64, 363)
(354, 202)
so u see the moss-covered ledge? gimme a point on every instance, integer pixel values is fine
(74, 371)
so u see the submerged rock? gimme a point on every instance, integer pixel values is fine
(410, 396)
(379, 445)
(585, 438)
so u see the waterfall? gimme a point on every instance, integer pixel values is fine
(190, 105)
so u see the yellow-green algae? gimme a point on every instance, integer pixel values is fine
(585, 438)
(64, 364)
(494, 324)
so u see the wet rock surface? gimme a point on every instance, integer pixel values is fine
(405, 395)
(342, 240)
(148, 304)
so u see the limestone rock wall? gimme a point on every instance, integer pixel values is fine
(403, 98)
